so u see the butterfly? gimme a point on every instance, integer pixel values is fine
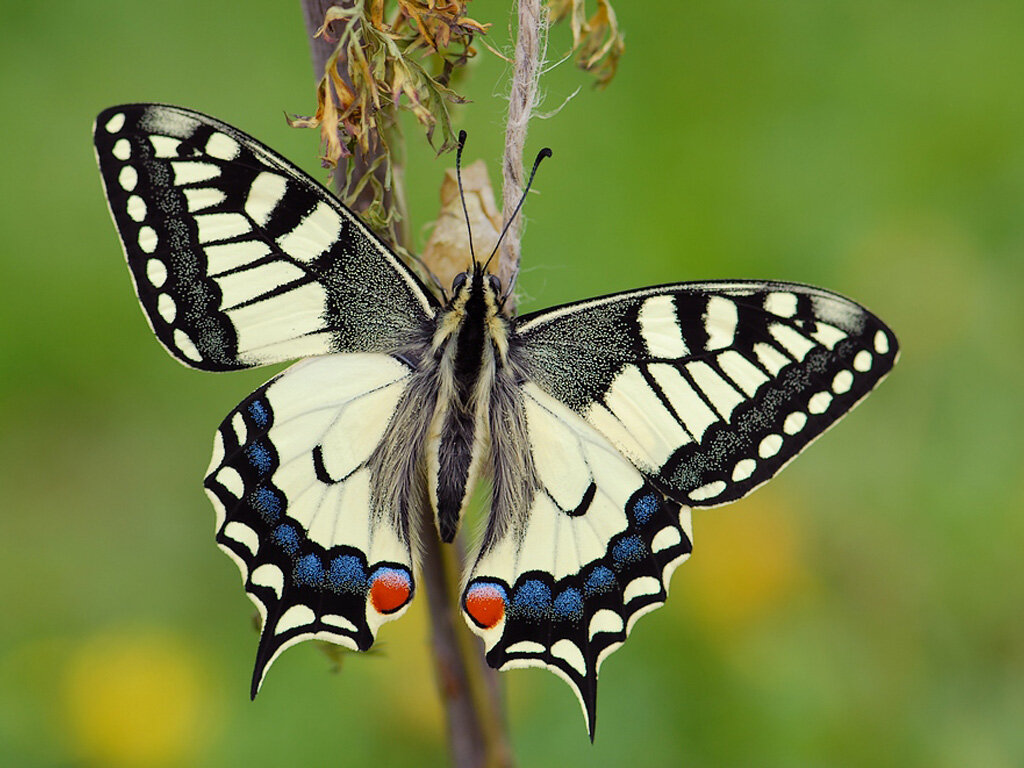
(598, 424)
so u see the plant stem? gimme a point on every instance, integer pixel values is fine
(320, 49)
(522, 99)
(468, 687)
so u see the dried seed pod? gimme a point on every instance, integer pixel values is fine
(447, 251)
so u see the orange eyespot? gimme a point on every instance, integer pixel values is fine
(390, 590)
(485, 604)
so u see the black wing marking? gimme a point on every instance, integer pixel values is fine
(238, 257)
(292, 483)
(709, 388)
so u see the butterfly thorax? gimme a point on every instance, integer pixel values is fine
(470, 346)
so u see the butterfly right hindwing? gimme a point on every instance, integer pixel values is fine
(561, 582)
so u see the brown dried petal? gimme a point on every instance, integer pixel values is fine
(597, 42)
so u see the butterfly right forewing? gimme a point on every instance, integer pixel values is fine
(709, 388)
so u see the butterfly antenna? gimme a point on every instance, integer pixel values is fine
(462, 194)
(544, 153)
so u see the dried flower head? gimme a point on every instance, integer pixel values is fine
(389, 55)
(597, 42)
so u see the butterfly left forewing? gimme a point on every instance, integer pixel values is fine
(294, 480)
(560, 582)
(238, 257)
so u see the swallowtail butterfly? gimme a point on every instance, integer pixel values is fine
(599, 424)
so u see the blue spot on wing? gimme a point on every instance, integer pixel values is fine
(644, 508)
(532, 600)
(259, 413)
(600, 580)
(308, 572)
(260, 457)
(287, 538)
(267, 503)
(628, 549)
(347, 574)
(569, 605)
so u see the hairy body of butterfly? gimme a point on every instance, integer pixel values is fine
(600, 424)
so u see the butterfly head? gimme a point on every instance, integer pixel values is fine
(474, 312)
(479, 271)
(476, 279)
(476, 287)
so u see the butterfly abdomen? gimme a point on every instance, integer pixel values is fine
(466, 360)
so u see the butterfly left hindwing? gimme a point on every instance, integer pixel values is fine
(292, 480)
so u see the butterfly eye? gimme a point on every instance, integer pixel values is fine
(495, 283)
(460, 280)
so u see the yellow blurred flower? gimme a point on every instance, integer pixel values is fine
(135, 699)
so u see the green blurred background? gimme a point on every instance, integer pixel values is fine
(866, 608)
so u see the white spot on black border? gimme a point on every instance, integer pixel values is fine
(781, 303)
(708, 491)
(156, 271)
(794, 422)
(222, 147)
(166, 307)
(115, 123)
(136, 208)
(819, 402)
(743, 469)
(769, 446)
(842, 382)
(147, 239)
(128, 178)
(122, 150)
